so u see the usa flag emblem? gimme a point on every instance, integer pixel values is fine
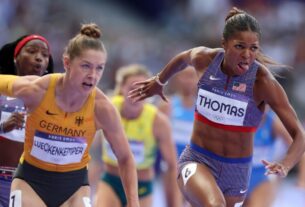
(241, 87)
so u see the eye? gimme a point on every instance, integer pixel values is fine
(100, 68)
(45, 55)
(85, 66)
(31, 50)
(239, 46)
(254, 48)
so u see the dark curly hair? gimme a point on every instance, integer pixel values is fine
(7, 65)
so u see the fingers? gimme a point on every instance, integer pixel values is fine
(141, 82)
(15, 121)
(136, 92)
(275, 168)
(146, 89)
(265, 162)
(163, 97)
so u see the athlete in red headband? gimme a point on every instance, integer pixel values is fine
(28, 55)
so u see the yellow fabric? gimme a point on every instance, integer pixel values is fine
(6, 84)
(140, 134)
(54, 138)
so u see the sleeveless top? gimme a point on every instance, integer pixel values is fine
(8, 106)
(140, 136)
(225, 102)
(56, 140)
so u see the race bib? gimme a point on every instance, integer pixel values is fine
(8, 106)
(58, 149)
(137, 149)
(220, 109)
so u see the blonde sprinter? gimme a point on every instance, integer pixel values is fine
(148, 130)
(64, 112)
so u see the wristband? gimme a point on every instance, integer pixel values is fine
(157, 78)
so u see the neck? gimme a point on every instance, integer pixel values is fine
(67, 97)
(130, 112)
(225, 69)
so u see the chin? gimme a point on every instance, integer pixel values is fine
(87, 89)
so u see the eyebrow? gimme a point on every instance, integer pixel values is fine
(36, 46)
(88, 62)
(243, 42)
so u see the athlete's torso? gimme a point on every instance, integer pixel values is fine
(140, 136)
(227, 102)
(56, 140)
(226, 114)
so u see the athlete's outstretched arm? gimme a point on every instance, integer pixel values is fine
(29, 89)
(162, 132)
(198, 57)
(108, 119)
(267, 89)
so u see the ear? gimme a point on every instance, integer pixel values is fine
(223, 43)
(66, 62)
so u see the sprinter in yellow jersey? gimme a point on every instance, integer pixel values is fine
(147, 130)
(64, 112)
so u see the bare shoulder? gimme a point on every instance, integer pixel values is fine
(201, 57)
(32, 89)
(266, 84)
(102, 101)
(43, 82)
(204, 51)
(263, 75)
(105, 112)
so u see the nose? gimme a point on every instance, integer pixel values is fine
(92, 73)
(246, 53)
(38, 57)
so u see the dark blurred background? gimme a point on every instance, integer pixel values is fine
(151, 32)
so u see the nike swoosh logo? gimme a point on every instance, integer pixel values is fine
(243, 191)
(10, 98)
(50, 113)
(213, 78)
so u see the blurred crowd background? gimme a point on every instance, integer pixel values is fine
(151, 32)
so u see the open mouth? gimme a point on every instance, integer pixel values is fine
(243, 66)
(37, 69)
(89, 85)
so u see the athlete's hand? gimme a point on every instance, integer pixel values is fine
(275, 168)
(146, 89)
(15, 121)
